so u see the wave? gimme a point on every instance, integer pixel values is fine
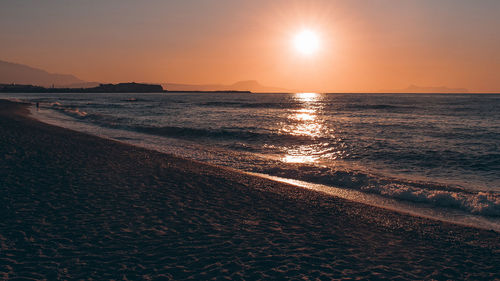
(474, 202)
(253, 105)
(381, 107)
(124, 123)
(75, 112)
(224, 134)
(459, 158)
(481, 203)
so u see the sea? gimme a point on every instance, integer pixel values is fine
(431, 155)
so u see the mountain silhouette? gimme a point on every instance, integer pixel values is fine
(427, 90)
(14, 73)
(247, 85)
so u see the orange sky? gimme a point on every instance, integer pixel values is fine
(365, 45)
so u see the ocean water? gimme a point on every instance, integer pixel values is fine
(433, 151)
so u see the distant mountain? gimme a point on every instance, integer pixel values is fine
(249, 85)
(23, 74)
(430, 90)
(14, 73)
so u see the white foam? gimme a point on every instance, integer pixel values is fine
(416, 209)
(481, 203)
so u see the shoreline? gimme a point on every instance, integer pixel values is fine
(73, 201)
(456, 215)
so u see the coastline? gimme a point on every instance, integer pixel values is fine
(79, 206)
(131, 87)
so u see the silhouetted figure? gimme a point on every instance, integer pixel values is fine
(37, 106)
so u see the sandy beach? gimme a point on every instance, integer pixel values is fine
(75, 206)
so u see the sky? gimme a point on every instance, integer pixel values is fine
(364, 46)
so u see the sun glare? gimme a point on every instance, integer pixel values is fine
(306, 42)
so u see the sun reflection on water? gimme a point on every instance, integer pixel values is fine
(299, 159)
(304, 122)
(304, 116)
(307, 97)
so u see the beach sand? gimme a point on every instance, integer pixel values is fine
(75, 206)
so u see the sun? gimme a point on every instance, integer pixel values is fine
(306, 42)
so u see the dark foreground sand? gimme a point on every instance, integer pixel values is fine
(77, 206)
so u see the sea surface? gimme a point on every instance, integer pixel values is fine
(437, 153)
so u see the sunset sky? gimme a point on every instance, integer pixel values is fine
(362, 45)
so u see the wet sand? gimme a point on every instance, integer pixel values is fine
(75, 206)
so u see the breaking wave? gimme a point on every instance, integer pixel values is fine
(434, 194)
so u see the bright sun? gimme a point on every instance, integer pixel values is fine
(306, 42)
